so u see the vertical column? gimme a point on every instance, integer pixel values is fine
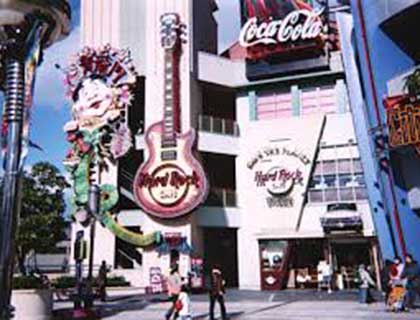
(375, 255)
(252, 97)
(295, 100)
(341, 96)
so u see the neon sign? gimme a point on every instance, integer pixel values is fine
(272, 27)
(403, 120)
(281, 31)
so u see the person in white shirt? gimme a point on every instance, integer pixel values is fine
(184, 303)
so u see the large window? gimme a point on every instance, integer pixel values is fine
(318, 99)
(273, 105)
(337, 180)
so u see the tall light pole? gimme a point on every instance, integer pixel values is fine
(26, 28)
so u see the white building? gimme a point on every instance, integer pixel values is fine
(286, 181)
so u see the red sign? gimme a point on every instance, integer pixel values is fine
(403, 120)
(273, 27)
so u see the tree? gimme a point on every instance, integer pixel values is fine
(41, 223)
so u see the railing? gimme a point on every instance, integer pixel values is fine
(218, 125)
(219, 197)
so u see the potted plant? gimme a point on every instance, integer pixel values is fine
(32, 298)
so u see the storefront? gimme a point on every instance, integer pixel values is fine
(283, 189)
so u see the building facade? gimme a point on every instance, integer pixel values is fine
(380, 55)
(275, 136)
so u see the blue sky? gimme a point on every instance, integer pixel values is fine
(51, 110)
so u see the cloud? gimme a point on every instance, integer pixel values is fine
(49, 86)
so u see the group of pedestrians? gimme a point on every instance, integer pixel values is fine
(179, 295)
(400, 282)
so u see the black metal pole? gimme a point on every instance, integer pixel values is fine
(10, 206)
(93, 205)
(93, 210)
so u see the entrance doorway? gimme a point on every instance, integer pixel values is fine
(221, 248)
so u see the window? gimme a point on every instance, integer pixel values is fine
(329, 167)
(330, 180)
(344, 165)
(337, 180)
(273, 105)
(318, 99)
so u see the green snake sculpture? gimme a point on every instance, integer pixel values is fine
(99, 84)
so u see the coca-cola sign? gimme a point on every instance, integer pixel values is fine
(272, 27)
(297, 25)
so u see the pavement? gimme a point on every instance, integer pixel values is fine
(249, 305)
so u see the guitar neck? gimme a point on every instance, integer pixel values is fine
(171, 98)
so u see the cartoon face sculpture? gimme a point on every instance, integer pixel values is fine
(93, 102)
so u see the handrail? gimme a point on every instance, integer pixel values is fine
(218, 125)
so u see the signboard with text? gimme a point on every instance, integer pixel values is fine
(280, 31)
(403, 121)
(280, 171)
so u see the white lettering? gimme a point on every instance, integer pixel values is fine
(291, 28)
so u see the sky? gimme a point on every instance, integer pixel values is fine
(51, 110)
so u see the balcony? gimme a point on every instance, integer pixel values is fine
(219, 197)
(218, 125)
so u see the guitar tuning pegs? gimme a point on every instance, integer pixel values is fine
(184, 33)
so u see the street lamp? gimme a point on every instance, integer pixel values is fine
(26, 28)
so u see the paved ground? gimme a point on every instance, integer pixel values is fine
(288, 305)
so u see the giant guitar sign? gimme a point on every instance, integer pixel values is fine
(171, 182)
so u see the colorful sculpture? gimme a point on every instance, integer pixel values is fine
(99, 84)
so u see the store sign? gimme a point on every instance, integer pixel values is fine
(290, 28)
(280, 172)
(272, 27)
(403, 120)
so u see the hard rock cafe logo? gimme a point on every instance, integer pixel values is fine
(279, 181)
(168, 185)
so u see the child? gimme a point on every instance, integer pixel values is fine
(183, 304)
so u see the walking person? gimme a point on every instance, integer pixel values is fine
(102, 280)
(217, 292)
(365, 281)
(174, 289)
(411, 274)
(386, 279)
(183, 304)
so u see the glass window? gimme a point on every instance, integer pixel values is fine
(273, 104)
(316, 182)
(329, 167)
(357, 165)
(318, 168)
(344, 166)
(331, 195)
(345, 180)
(359, 180)
(316, 196)
(330, 181)
(346, 194)
(361, 193)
